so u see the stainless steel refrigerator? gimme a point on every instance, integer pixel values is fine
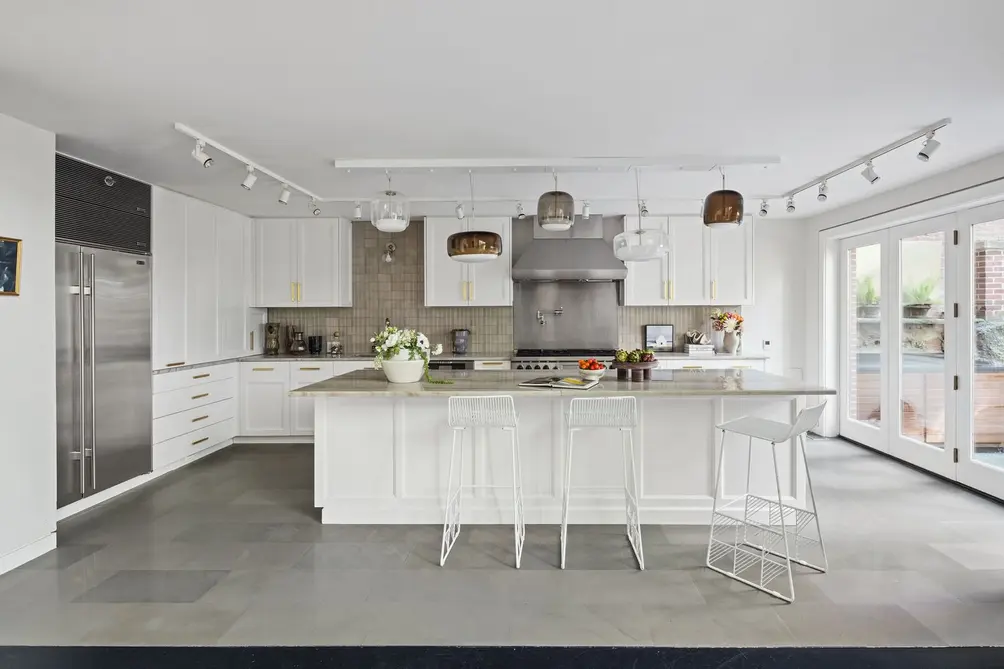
(103, 323)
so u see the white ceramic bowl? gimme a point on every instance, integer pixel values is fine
(592, 374)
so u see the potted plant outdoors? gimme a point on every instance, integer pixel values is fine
(868, 299)
(403, 354)
(917, 299)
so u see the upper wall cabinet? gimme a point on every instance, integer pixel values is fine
(449, 283)
(202, 272)
(303, 262)
(703, 266)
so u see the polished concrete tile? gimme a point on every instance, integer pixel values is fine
(230, 551)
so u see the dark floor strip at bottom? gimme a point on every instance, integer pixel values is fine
(432, 657)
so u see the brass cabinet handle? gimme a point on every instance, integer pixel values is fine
(693, 367)
(742, 366)
(292, 292)
(199, 441)
(262, 369)
(299, 292)
(490, 362)
(671, 293)
(196, 420)
(714, 290)
(310, 369)
(663, 296)
(175, 364)
(252, 340)
(201, 376)
(470, 291)
(200, 396)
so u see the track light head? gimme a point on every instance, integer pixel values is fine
(586, 212)
(869, 173)
(764, 206)
(520, 214)
(249, 180)
(822, 192)
(790, 208)
(199, 153)
(314, 208)
(357, 213)
(459, 210)
(930, 146)
(284, 195)
(643, 209)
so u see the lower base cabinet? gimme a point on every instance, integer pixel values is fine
(711, 363)
(193, 410)
(267, 410)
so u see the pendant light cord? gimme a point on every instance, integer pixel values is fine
(637, 192)
(470, 177)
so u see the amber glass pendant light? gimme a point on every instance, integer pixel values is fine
(473, 246)
(723, 208)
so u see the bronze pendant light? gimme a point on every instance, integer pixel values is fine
(555, 209)
(474, 246)
(723, 208)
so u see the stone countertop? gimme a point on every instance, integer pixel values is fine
(445, 357)
(676, 383)
(718, 356)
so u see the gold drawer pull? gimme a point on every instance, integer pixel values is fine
(693, 367)
(262, 369)
(175, 364)
(742, 366)
(200, 396)
(196, 420)
(199, 441)
(310, 369)
(489, 362)
(201, 376)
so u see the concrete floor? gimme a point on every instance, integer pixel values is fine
(229, 551)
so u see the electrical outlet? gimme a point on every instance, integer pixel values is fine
(766, 344)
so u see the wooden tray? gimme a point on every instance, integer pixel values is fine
(634, 371)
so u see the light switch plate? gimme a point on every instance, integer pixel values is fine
(766, 344)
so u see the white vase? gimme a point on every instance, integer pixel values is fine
(731, 343)
(403, 371)
(718, 340)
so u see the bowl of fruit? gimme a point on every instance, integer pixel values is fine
(636, 365)
(592, 369)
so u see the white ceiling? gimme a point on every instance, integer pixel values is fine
(298, 84)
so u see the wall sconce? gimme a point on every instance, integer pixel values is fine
(388, 252)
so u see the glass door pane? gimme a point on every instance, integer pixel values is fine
(988, 343)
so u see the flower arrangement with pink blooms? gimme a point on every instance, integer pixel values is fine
(729, 321)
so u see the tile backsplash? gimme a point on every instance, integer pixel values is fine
(396, 291)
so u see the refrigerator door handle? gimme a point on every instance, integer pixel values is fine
(94, 443)
(83, 390)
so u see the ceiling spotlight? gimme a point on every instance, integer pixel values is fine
(585, 210)
(643, 210)
(822, 192)
(314, 208)
(869, 173)
(520, 214)
(930, 146)
(284, 195)
(764, 206)
(249, 180)
(460, 210)
(357, 213)
(790, 208)
(200, 154)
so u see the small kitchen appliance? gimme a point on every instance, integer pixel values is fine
(460, 338)
(271, 339)
(295, 343)
(315, 344)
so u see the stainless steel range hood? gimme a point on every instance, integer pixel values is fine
(578, 254)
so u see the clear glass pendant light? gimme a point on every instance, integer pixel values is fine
(390, 212)
(641, 244)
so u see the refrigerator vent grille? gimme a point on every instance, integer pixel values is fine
(91, 225)
(88, 183)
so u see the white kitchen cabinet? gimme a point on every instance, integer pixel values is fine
(647, 282)
(302, 408)
(449, 283)
(168, 237)
(254, 318)
(731, 264)
(264, 398)
(303, 263)
(202, 338)
(690, 278)
(684, 363)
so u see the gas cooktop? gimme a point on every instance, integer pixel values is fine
(563, 352)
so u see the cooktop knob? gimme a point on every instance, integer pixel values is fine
(536, 366)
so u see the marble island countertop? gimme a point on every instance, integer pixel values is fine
(445, 357)
(676, 383)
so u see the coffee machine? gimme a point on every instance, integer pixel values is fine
(271, 346)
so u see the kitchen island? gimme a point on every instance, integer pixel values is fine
(382, 450)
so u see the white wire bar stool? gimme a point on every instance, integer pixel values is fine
(619, 413)
(754, 539)
(491, 411)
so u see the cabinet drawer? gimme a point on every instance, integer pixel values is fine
(491, 365)
(265, 370)
(191, 443)
(345, 366)
(184, 422)
(173, 401)
(303, 375)
(711, 364)
(193, 377)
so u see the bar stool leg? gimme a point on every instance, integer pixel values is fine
(714, 502)
(631, 498)
(451, 523)
(784, 529)
(565, 494)
(815, 509)
(519, 526)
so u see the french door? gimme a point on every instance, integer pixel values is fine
(922, 344)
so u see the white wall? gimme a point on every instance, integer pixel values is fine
(27, 347)
(779, 296)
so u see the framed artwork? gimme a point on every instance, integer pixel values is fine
(659, 338)
(10, 266)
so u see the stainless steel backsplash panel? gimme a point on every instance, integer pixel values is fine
(589, 318)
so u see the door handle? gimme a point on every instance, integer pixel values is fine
(252, 340)
(196, 420)
(82, 388)
(714, 290)
(671, 293)
(663, 290)
(292, 292)
(463, 290)
(94, 441)
(470, 291)
(299, 292)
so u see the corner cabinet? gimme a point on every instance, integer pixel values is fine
(202, 272)
(703, 266)
(303, 262)
(449, 283)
